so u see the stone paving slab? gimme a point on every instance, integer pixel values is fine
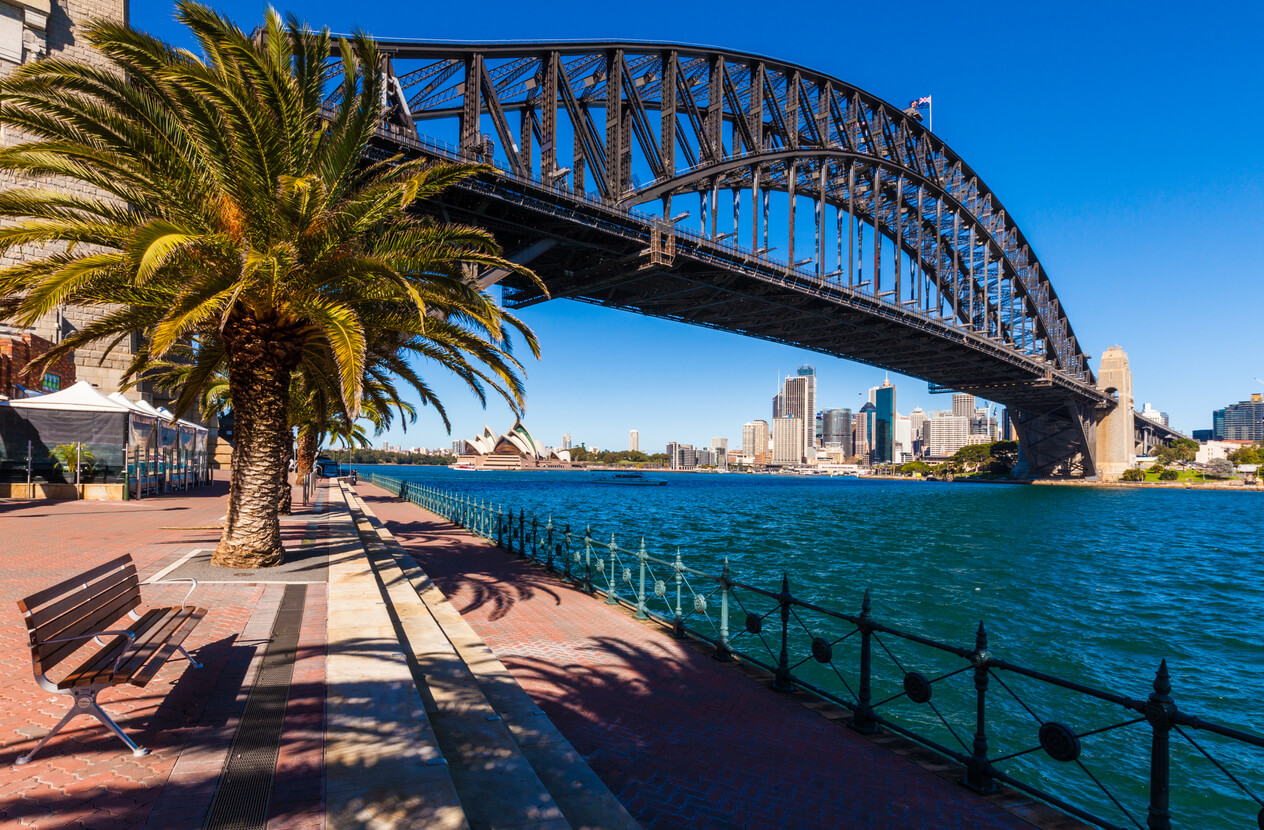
(383, 764)
(584, 800)
(497, 784)
(683, 741)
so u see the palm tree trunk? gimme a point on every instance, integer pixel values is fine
(305, 453)
(285, 506)
(259, 382)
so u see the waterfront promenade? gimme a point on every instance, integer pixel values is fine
(682, 741)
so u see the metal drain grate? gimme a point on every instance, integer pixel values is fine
(245, 785)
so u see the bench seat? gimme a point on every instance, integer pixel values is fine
(64, 620)
(159, 632)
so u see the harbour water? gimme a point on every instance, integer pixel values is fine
(1094, 585)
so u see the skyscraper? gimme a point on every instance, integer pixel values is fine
(917, 424)
(1242, 421)
(787, 441)
(634, 441)
(720, 452)
(566, 441)
(862, 433)
(798, 400)
(836, 430)
(946, 434)
(903, 447)
(963, 404)
(883, 398)
(755, 441)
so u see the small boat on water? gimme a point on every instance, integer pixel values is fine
(461, 466)
(634, 478)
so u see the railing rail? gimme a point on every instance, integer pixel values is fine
(706, 605)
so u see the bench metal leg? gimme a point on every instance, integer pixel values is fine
(85, 703)
(192, 662)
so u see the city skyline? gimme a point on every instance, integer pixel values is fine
(1083, 161)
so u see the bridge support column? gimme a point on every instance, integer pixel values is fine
(1116, 447)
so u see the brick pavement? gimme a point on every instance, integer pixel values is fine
(85, 777)
(683, 741)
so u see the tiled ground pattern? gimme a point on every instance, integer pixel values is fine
(85, 777)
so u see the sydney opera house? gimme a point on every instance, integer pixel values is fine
(514, 450)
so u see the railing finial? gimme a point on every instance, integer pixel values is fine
(1162, 680)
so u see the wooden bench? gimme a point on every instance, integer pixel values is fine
(64, 619)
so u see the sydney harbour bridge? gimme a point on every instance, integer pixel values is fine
(753, 196)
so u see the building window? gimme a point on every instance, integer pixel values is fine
(52, 383)
(10, 33)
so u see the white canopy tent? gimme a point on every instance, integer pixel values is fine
(82, 397)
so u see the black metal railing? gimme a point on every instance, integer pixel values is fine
(898, 680)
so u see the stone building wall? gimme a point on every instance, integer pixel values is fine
(50, 27)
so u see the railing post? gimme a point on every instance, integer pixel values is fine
(535, 537)
(862, 720)
(724, 652)
(548, 532)
(782, 681)
(588, 586)
(978, 768)
(640, 591)
(567, 561)
(678, 625)
(522, 533)
(1159, 711)
(612, 579)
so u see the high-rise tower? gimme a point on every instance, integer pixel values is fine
(884, 423)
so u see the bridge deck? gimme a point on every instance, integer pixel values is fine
(603, 256)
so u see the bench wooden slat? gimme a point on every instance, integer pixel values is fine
(154, 631)
(100, 662)
(48, 655)
(151, 631)
(53, 626)
(187, 625)
(66, 586)
(89, 592)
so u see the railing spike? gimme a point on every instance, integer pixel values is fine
(1162, 680)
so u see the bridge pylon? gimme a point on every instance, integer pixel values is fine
(1116, 448)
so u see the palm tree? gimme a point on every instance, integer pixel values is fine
(236, 214)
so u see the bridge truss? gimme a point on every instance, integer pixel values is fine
(825, 217)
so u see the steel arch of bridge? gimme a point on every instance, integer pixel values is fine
(646, 124)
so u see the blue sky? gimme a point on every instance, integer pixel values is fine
(1124, 138)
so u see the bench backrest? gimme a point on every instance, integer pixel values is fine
(82, 604)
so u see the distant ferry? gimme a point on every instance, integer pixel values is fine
(462, 466)
(633, 478)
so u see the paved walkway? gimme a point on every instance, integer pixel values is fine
(186, 717)
(683, 741)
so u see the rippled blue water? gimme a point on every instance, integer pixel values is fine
(1096, 585)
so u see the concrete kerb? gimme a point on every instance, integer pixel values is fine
(584, 800)
(382, 760)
